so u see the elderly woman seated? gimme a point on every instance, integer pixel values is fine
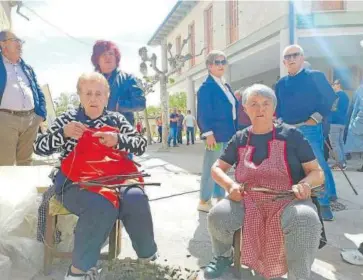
(97, 208)
(279, 236)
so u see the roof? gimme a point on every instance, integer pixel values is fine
(175, 16)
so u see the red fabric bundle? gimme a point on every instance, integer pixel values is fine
(91, 160)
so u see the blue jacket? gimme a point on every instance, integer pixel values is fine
(214, 111)
(340, 108)
(126, 96)
(40, 106)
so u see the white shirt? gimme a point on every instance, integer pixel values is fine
(18, 95)
(229, 94)
(189, 120)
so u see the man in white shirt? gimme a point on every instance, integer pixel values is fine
(190, 123)
(22, 103)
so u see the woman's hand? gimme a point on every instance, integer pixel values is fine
(211, 142)
(302, 191)
(74, 130)
(109, 139)
(235, 192)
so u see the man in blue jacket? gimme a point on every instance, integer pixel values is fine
(304, 99)
(22, 103)
(217, 121)
(126, 96)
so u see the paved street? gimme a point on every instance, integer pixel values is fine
(181, 231)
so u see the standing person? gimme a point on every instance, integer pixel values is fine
(217, 121)
(354, 142)
(159, 124)
(173, 133)
(126, 96)
(180, 127)
(243, 119)
(190, 123)
(337, 125)
(22, 103)
(304, 98)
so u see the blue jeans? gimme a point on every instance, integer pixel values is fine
(97, 217)
(314, 135)
(207, 185)
(336, 138)
(173, 133)
(190, 135)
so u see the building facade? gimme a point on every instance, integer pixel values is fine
(253, 34)
(5, 15)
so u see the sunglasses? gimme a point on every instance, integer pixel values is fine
(291, 56)
(21, 42)
(220, 62)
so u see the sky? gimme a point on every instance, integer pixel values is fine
(59, 60)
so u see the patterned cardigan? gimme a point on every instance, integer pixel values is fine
(129, 140)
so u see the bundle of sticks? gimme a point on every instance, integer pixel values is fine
(283, 195)
(109, 181)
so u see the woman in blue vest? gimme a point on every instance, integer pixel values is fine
(217, 121)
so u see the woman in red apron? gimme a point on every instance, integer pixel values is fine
(95, 143)
(280, 236)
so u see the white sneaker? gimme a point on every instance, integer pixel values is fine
(352, 256)
(91, 274)
(205, 207)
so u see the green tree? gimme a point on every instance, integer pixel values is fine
(154, 111)
(65, 101)
(178, 100)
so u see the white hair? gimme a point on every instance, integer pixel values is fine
(211, 57)
(259, 89)
(301, 50)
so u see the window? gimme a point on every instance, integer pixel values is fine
(208, 29)
(232, 9)
(177, 48)
(192, 43)
(322, 5)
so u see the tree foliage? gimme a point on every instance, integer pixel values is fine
(65, 102)
(178, 100)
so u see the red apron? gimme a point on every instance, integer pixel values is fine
(262, 243)
(91, 160)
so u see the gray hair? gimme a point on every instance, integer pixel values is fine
(211, 57)
(3, 34)
(259, 89)
(307, 65)
(301, 50)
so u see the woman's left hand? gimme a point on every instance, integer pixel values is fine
(302, 191)
(109, 139)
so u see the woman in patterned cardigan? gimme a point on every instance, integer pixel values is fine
(96, 211)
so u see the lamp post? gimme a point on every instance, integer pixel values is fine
(176, 63)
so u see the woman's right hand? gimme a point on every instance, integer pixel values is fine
(235, 192)
(74, 130)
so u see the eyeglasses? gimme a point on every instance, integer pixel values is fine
(21, 42)
(220, 62)
(291, 55)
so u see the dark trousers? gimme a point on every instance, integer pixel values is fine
(180, 135)
(160, 132)
(97, 217)
(190, 135)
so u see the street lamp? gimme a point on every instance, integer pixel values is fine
(176, 63)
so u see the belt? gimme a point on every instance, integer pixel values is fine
(18, 113)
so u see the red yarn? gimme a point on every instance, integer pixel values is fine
(91, 160)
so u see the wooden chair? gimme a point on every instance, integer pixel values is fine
(237, 253)
(50, 250)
